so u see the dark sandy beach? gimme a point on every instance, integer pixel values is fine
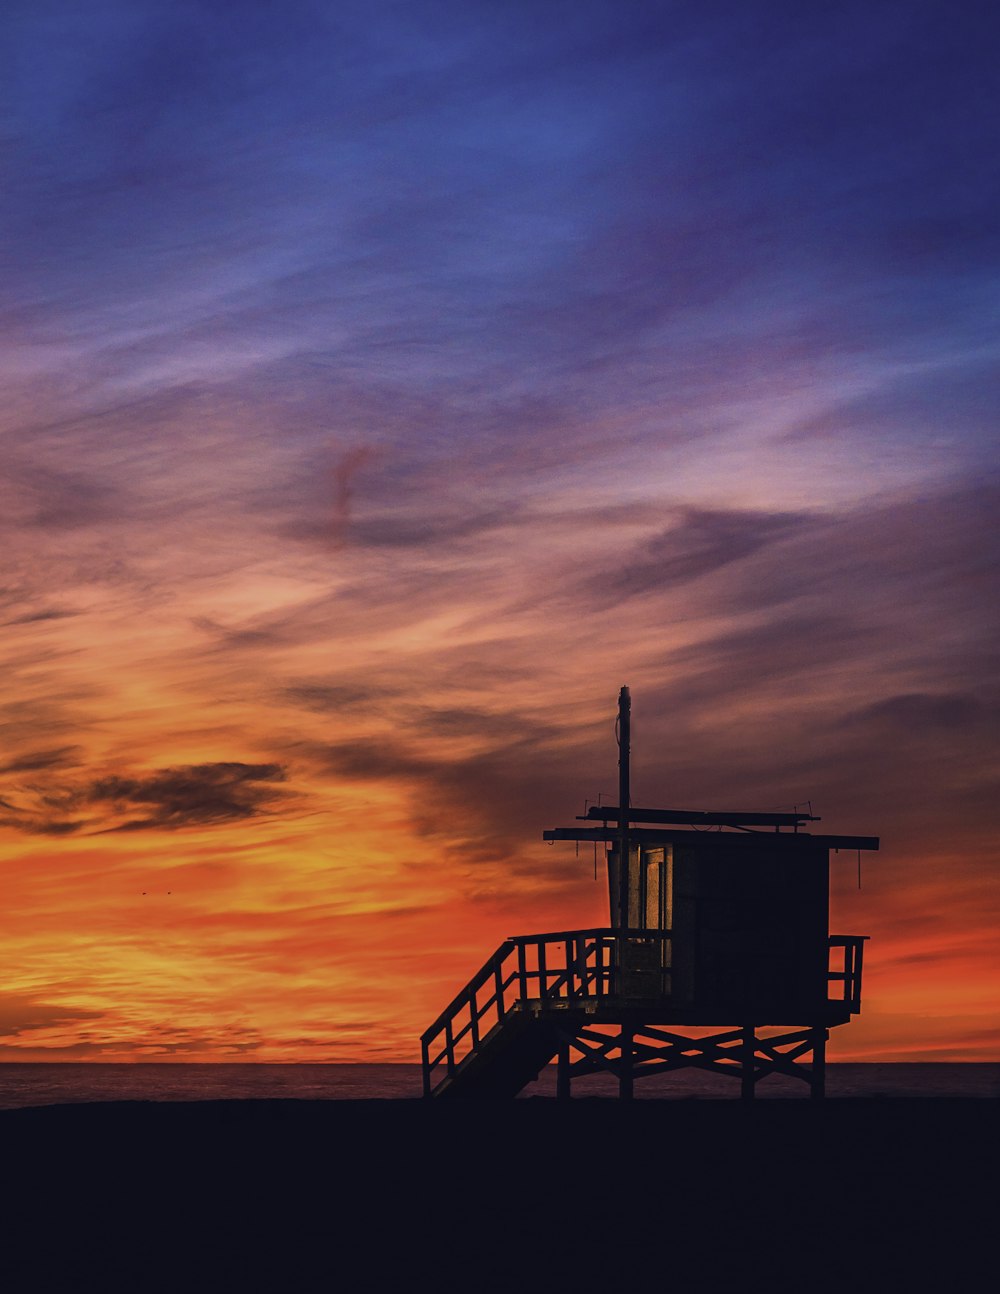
(387, 1195)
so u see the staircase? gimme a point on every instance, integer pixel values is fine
(503, 1028)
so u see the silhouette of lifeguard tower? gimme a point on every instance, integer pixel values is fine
(719, 924)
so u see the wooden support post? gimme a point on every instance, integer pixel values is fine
(856, 977)
(625, 1075)
(817, 1081)
(562, 1072)
(748, 1086)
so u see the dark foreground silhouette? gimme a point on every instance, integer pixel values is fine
(528, 1195)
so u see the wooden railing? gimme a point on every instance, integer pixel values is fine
(568, 966)
(847, 969)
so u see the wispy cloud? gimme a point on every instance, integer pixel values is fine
(700, 543)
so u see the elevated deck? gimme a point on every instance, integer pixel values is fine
(545, 996)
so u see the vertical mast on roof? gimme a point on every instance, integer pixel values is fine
(624, 802)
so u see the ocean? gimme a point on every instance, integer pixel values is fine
(24, 1085)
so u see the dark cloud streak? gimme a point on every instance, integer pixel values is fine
(168, 799)
(701, 543)
(190, 796)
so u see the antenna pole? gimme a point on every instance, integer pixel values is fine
(624, 802)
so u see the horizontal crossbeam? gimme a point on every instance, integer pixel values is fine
(739, 1053)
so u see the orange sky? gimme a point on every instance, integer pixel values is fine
(322, 898)
(380, 396)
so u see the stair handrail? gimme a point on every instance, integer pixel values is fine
(588, 970)
(462, 996)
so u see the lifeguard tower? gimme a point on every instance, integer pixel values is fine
(718, 957)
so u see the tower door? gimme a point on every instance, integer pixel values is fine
(650, 887)
(645, 962)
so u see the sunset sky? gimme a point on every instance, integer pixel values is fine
(386, 384)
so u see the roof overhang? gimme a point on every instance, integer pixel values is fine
(747, 839)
